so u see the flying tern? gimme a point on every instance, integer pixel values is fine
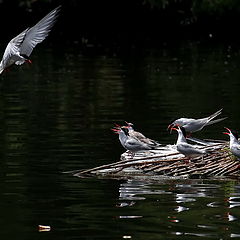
(20, 47)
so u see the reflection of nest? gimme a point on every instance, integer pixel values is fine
(167, 162)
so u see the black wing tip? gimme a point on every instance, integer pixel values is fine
(58, 8)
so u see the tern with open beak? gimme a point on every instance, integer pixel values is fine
(130, 143)
(234, 143)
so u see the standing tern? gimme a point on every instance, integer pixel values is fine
(140, 136)
(193, 125)
(188, 150)
(130, 143)
(19, 48)
(234, 143)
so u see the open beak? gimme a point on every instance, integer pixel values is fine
(173, 128)
(170, 126)
(227, 133)
(116, 130)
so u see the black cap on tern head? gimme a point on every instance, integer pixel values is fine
(183, 131)
(125, 130)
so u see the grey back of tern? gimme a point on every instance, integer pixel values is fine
(193, 125)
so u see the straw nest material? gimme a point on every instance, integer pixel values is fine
(167, 162)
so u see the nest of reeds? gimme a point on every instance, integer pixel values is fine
(167, 162)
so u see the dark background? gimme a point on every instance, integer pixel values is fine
(112, 24)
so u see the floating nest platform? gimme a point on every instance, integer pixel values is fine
(167, 162)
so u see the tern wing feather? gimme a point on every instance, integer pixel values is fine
(38, 32)
(216, 121)
(137, 145)
(189, 149)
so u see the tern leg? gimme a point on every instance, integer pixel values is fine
(187, 160)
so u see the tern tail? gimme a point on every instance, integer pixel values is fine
(215, 114)
(216, 121)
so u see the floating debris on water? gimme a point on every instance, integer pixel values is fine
(167, 162)
(43, 228)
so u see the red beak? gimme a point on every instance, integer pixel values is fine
(227, 133)
(115, 130)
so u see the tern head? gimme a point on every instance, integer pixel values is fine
(125, 130)
(173, 126)
(26, 58)
(180, 129)
(174, 123)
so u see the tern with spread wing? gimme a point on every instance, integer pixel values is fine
(185, 148)
(234, 143)
(20, 48)
(193, 125)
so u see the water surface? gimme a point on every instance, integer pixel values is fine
(56, 116)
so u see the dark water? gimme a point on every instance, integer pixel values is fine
(56, 116)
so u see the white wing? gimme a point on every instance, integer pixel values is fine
(12, 50)
(38, 32)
